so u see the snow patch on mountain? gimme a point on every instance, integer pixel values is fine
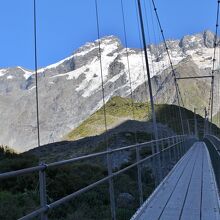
(10, 77)
(52, 66)
(71, 89)
(2, 72)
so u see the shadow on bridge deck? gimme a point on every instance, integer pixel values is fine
(188, 192)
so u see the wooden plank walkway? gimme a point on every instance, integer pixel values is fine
(189, 192)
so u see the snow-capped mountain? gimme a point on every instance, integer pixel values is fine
(70, 90)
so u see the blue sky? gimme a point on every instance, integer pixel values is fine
(65, 25)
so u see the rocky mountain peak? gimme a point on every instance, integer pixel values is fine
(105, 41)
(70, 90)
(209, 38)
(197, 41)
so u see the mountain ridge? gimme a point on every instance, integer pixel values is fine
(74, 85)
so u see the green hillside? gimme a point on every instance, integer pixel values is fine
(22, 193)
(90, 135)
(119, 110)
(216, 119)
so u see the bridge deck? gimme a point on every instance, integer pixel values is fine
(188, 192)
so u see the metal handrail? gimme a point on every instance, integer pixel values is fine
(209, 137)
(215, 156)
(217, 139)
(91, 186)
(63, 162)
(177, 140)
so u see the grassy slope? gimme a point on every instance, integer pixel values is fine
(93, 205)
(216, 118)
(194, 95)
(119, 110)
(90, 136)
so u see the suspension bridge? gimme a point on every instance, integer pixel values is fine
(185, 166)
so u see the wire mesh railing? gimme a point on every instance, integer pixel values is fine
(213, 144)
(143, 157)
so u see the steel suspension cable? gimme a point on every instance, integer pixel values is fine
(141, 45)
(218, 98)
(36, 73)
(142, 60)
(158, 116)
(157, 48)
(101, 69)
(149, 39)
(157, 42)
(209, 104)
(128, 62)
(160, 40)
(109, 160)
(154, 33)
(148, 72)
(214, 59)
(157, 162)
(168, 53)
(217, 95)
(179, 97)
(139, 175)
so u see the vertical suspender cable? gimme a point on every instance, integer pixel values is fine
(36, 73)
(148, 73)
(128, 62)
(160, 40)
(144, 68)
(101, 68)
(149, 39)
(141, 45)
(157, 107)
(140, 187)
(152, 64)
(209, 105)
(42, 180)
(168, 54)
(156, 42)
(109, 156)
(218, 100)
(153, 69)
(158, 170)
(214, 59)
(157, 38)
(179, 98)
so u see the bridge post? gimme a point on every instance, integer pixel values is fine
(178, 148)
(140, 186)
(180, 140)
(195, 122)
(174, 148)
(153, 161)
(169, 152)
(189, 132)
(205, 123)
(42, 190)
(111, 187)
(182, 148)
(161, 144)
